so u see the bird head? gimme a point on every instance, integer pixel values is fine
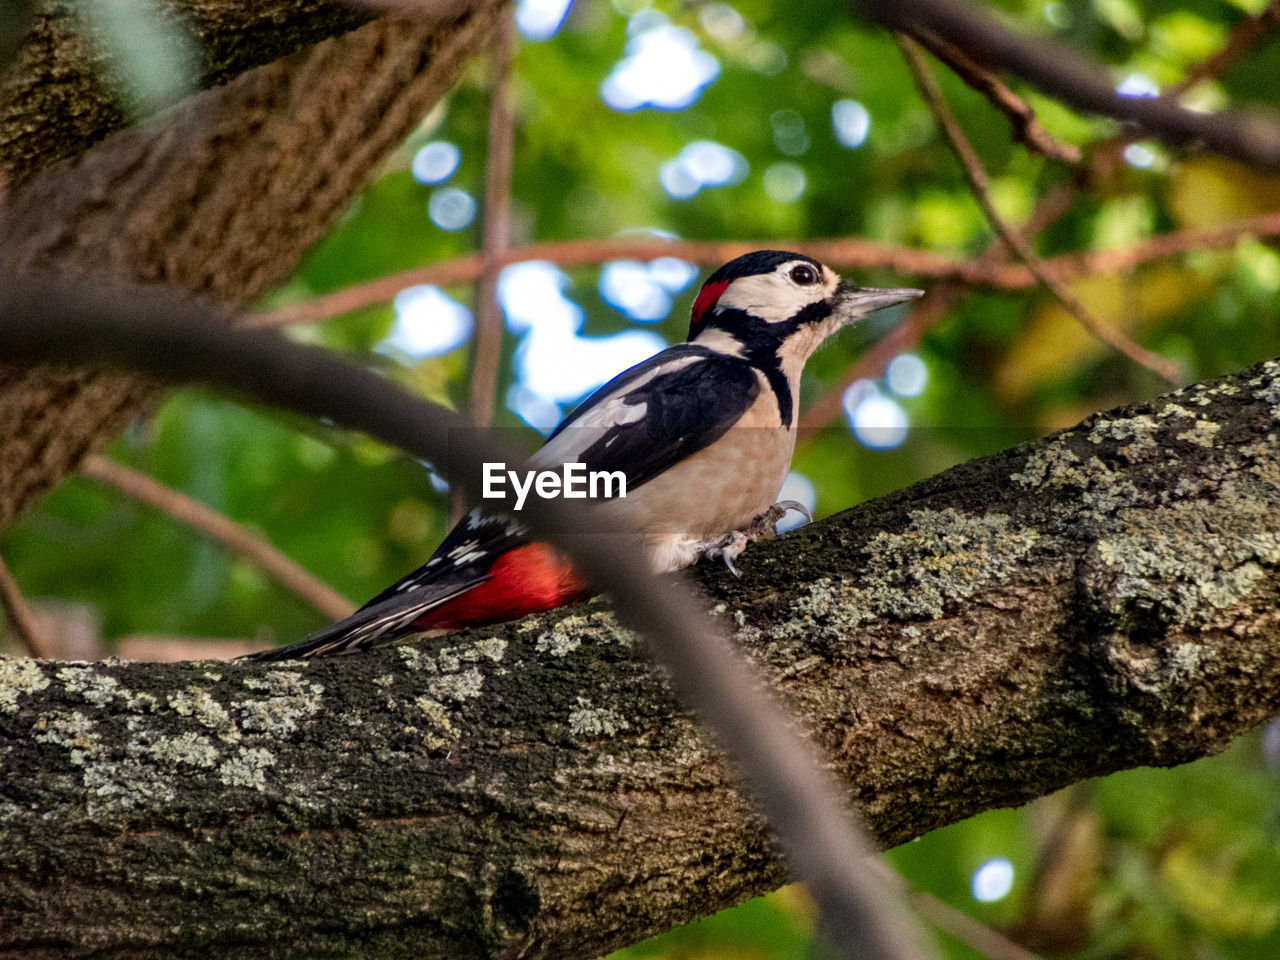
(772, 303)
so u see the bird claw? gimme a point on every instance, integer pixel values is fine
(728, 562)
(784, 507)
(727, 549)
(729, 546)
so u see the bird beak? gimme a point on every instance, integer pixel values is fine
(856, 302)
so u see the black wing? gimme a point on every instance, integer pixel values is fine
(655, 414)
(641, 422)
(462, 561)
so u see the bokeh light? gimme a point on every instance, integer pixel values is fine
(553, 364)
(784, 182)
(1137, 85)
(721, 22)
(877, 420)
(993, 880)
(1136, 155)
(436, 162)
(789, 133)
(541, 19)
(703, 163)
(428, 322)
(850, 122)
(664, 67)
(643, 291)
(906, 375)
(451, 209)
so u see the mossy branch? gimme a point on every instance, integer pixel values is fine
(1100, 599)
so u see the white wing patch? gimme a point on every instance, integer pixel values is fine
(606, 413)
(463, 548)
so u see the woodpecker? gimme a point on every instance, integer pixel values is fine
(703, 431)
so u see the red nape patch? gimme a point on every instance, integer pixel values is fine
(707, 298)
(525, 580)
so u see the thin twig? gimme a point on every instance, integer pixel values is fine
(1027, 130)
(1159, 247)
(979, 184)
(19, 616)
(223, 529)
(924, 315)
(497, 227)
(849, 253)
(1105, 155)
(973, 933)
(486, 345)
(1244, 36)
(1249, 136)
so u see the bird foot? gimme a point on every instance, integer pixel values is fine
(729, 546)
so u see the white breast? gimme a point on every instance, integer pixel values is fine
(720, 488)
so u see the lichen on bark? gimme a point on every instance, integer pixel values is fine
(1102, 598)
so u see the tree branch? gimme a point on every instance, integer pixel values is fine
(1101, 599)
(1027, 130)
(226, 531)
(55, 104)
(175, 340)
(218, 197)
(1247, 34)
(845, 253)
(924, 314)
(1251, 137)
(980, 186)
(18, 614)
(487, 343)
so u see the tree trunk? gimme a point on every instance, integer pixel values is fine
(220, 196)
(1101, 599)
(55, 100)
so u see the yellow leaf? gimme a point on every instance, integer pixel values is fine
(1211, 190)
(1054, 344)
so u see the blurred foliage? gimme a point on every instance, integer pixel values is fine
(1146, 864)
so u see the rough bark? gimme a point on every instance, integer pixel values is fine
(220, 197)
(1101, 599)
(55, 102)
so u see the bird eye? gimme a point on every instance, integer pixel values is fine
(804, 274)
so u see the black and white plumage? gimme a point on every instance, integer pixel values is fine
(704, 432)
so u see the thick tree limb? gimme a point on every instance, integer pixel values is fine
(1097, 600)
(55, 103)
(219, 197)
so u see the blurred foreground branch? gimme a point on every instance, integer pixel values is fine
(1100, 599)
